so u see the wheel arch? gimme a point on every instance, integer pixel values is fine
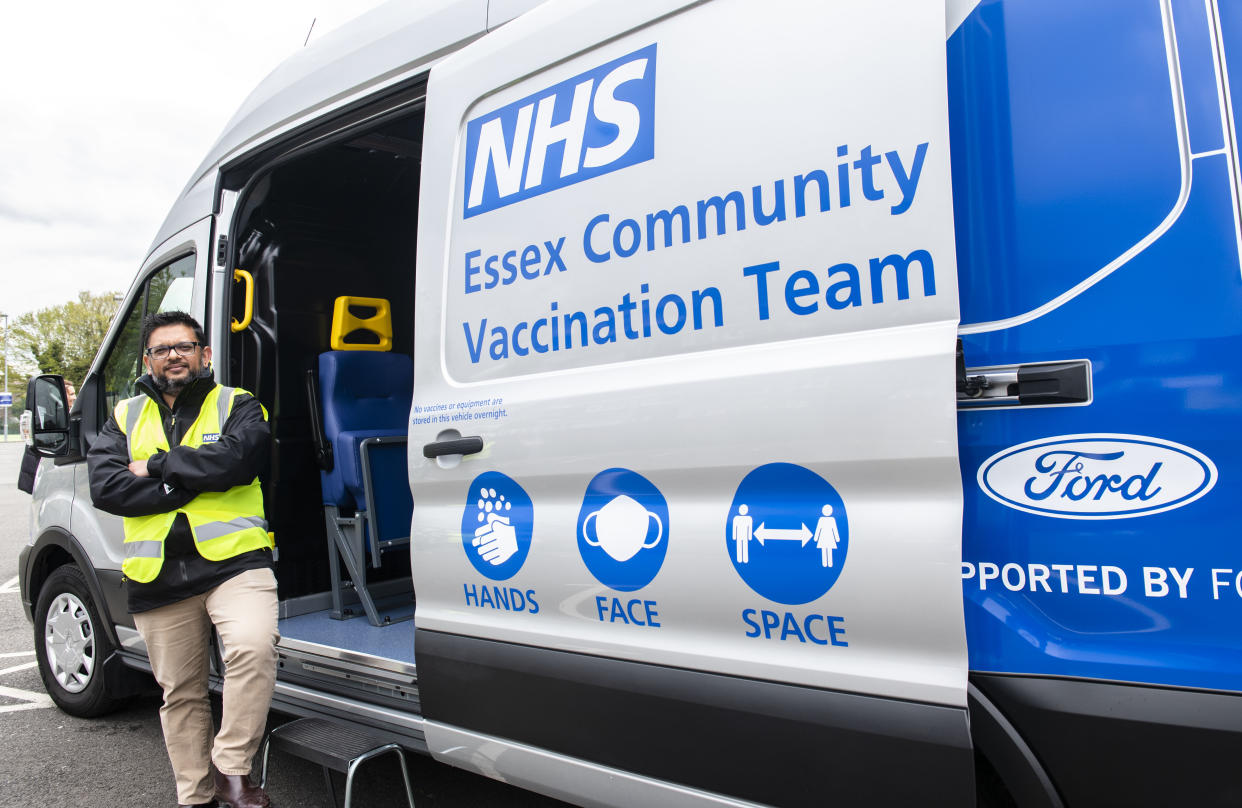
(998, 740)
(55, 548)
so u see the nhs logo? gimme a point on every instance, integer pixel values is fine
(594, 123)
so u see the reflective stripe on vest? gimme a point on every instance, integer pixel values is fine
(224, 523)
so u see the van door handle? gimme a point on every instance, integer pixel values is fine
(457, 446)
(1061, 383)
(1031, 384)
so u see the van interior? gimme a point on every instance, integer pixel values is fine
(334, 215)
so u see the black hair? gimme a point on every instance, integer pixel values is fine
(163, 318)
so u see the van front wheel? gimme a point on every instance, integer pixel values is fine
(70, 644)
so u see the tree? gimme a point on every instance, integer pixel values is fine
(62, 339)
(59, 339)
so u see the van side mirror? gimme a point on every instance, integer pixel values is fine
(47, 403)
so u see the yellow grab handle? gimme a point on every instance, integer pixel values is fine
(245, 277)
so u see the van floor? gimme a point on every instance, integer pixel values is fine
(356, 635)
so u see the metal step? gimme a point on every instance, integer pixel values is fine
(336, 746)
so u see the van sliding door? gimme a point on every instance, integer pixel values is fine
(687, 271)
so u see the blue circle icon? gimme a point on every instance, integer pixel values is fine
(787, 533)
(623, 529)
(496, 525)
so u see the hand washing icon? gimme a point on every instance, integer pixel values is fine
(496, 525)
(622, 528)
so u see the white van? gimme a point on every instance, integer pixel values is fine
(701, 504)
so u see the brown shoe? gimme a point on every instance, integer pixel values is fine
(235, 791)
(212, 804)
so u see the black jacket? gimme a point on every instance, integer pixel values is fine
(177, 476)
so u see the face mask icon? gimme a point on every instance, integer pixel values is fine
(621, 528)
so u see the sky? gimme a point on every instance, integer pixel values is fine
(105, 111)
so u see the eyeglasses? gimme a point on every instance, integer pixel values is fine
(182, 349)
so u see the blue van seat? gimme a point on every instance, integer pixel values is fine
(365, 400)
(364, 394)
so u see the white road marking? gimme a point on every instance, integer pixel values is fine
(32, 700)
(10, 587)
(15, 708)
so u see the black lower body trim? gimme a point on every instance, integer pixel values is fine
(1016, 769)
(779, 744)
(116, 601)
(122, 681)
(1106, 744)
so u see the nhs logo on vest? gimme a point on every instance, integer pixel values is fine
(594, 123)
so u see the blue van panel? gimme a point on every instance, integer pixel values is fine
(1198, 71)
(1231, 44)
(1163, 334)
(1053, 106)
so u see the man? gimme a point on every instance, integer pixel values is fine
(180, 461)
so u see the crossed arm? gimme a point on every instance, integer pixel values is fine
(168, 480)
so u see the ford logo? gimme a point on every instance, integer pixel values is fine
(1097, 476)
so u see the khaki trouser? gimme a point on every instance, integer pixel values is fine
(243, 610)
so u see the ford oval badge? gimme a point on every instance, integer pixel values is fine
(1097, 476)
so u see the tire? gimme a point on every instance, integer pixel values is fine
(71, 644)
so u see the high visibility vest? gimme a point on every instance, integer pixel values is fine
(224, 523)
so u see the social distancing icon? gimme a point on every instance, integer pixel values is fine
(496, 525)
(787, 533)
(623, 529)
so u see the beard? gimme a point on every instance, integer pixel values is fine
(174, 386)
